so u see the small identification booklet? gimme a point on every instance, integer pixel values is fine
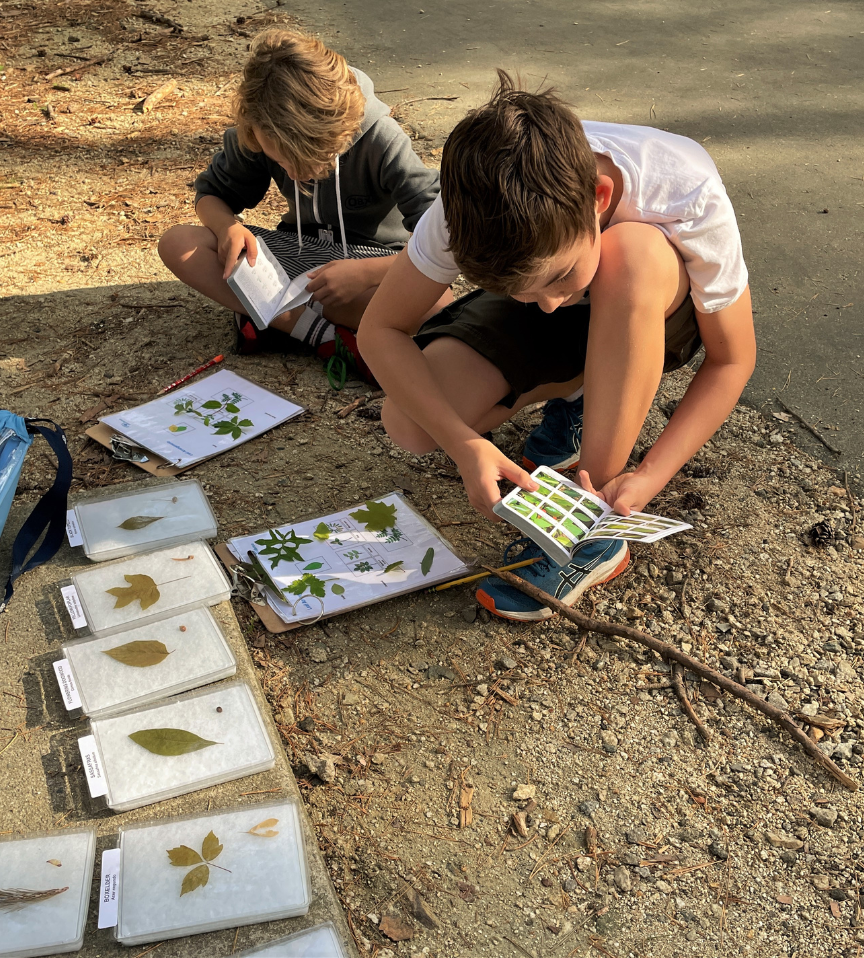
(560, 516)
(211, 415)
(321, 567)
(265, 289)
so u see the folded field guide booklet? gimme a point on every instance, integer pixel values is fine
(211, 415)
(324, 566)
(559, 516)
(265, 289)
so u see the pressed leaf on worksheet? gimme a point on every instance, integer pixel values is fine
(394, 566)
(138, 522)
(141, 588)
(322, 532)
(170, 741)
(377, 516)
(426, 564)
(337, 589)
(139, 655)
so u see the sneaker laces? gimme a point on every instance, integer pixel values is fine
(340, 364)
(530, 551)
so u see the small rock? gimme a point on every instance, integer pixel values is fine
(285, 716)
(553, 833)
(585, 864)
(318, 652)
(621, 877)
(469, 614)
(351, 698)
(631, 857)
(783, 841)
(839, 894)
(440, 672)
(523, 792)
(482, 690)
(669, 739)
(307, 724)
(609, 740)
(505, 663)
(570, 886)
(321, 766)
(378, 758)
(824, 816)
(821, 882)
(789, 858)
(777, 700)
(588, 807)
(663, 886)
(718, 850)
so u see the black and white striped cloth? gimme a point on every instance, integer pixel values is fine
(314, 252)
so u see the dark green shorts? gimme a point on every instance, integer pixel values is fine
(532, 348)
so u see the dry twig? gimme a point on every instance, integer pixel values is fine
(159, 94)
(670, 654)
(80, 66)
(678, 685)
(811, 429)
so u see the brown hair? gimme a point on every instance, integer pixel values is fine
(301, 95)
(518, 183)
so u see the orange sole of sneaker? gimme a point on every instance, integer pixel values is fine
(540, 615)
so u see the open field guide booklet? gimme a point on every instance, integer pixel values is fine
(209, 416)
(559, 516)
(265, 289)
(322, 567)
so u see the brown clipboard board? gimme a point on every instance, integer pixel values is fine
(155, 465)
(269, 619)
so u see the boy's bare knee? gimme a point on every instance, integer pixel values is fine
(173, 243)
(404, 432)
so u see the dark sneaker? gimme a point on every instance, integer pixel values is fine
(251, 340)
(343, 357)
(557, 441)
(598, 561)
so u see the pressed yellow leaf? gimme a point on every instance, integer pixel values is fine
(265, 829)
(170, 741)
(140, 655)
(211, 848)
(141, 587)
(53, 861)
(183, 856)
(197, 878)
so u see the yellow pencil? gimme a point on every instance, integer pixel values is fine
(482, 575)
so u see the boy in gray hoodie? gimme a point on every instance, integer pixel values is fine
(355, 189)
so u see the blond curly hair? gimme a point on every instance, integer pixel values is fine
(300, 95)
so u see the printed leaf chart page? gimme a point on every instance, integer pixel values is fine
(322, 567)
(216, 413)
(265, 289)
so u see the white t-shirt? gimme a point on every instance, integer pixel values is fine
(670, 182)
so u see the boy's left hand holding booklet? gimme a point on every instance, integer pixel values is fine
(265, 289)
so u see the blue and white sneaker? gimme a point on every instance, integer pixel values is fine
(598, 561)
(557, 441)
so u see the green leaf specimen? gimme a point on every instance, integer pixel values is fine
(312, 566)
(11, 899)
(138, 522)
(322, 532)
(232, 427)
(140, 655)
(377, 516)
(170, 741)
(141, 588)
(393, 566)
(337, 589)
(282, 547)
(298, 587)
(183, 856)
(426, 564)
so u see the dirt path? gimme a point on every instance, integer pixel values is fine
(740, 847)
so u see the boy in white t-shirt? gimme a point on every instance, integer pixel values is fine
(540, 212)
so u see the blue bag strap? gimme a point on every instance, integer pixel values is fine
(48, 514)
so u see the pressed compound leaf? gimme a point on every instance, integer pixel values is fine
(377, 516)
(141, 587)
(11, 899)
(183, 856)
(211, 848)
(426, 564)
(139, 522)
(197, 878)
(394, 566)
(170, 741)
(140, 655)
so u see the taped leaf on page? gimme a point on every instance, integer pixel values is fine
(138, 522)
(426, 564)
(337, 589)
(141, 588)
(197, 878)
(139, 655)
(183, 856)
(170, 741)
(377, 516)
(322, 532)
(394, 566)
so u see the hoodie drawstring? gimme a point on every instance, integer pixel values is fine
(297, 210)
(315, 210)
(339, 209)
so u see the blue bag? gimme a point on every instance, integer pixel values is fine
(49, 514)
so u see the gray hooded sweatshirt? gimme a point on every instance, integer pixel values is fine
(381, 191)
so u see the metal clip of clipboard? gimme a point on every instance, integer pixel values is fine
(126, 450)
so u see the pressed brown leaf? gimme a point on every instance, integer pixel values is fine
(53, 861)
(183, 856)
(211, 848)
(197, 878)
(11, 899)
(141, 587)
(264, 829)
(138, 522)
(170, 741)
(140, 655)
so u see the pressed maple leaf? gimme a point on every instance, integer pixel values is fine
(308, 581)
(377, 516)
(141, 588)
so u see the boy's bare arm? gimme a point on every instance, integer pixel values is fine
(730, 356)
(343, 280)
(232, 236)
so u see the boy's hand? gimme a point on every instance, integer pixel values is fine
(338, 283)
(483, 466)
(232, 241)
(629, 492)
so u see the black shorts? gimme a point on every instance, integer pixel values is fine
(532, 348)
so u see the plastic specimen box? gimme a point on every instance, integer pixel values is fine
(129, 669)
(238, 867)
(321, 941)
(225, 715)
(158, 516)
(163, 584)
(42, 863)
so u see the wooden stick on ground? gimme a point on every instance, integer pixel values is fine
(80, 66)
(811, 429)
(671, 654)
(678, 685)
(159, 94)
